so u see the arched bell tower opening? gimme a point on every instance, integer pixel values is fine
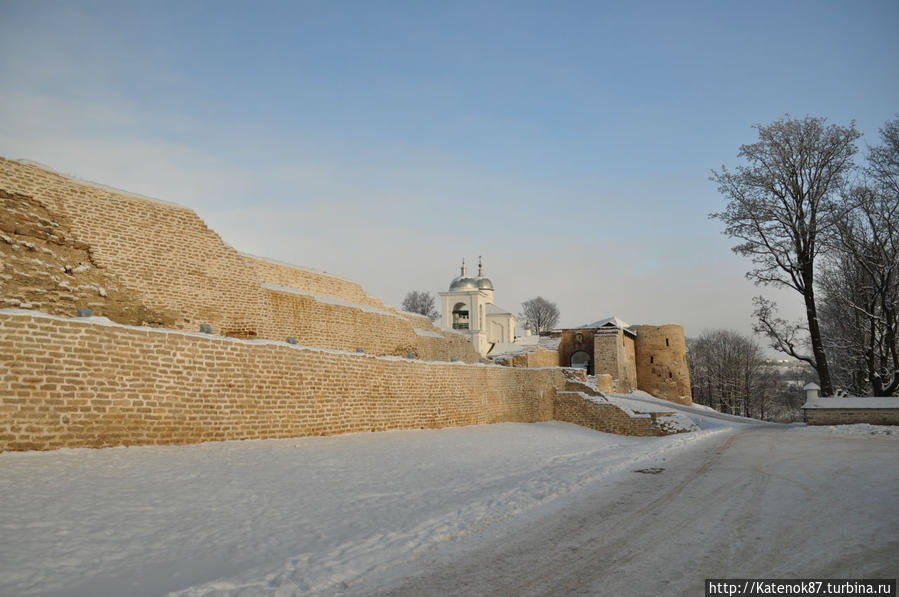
(461, 318)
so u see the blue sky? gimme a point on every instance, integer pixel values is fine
(570, 143)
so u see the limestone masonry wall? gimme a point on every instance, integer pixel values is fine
(169, 269)
(614, 351)
(850, 416)
(42, 267)
(310, 281)
(75, 383)
(572, 407)
(89, 382)
(163, 253)
(319, 323)
(540, 357)
(662, 362)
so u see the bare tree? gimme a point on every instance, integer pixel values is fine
(860, 288)
(421, 302)
(779, 204)
(841, 286)
(542, 314)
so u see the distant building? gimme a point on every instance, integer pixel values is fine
(645, 357)
(468, 308)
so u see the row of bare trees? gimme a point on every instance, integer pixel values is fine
(860, 279)
(813, 221)
(729, 372)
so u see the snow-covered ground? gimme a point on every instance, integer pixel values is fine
(297, 516)
(760, 502)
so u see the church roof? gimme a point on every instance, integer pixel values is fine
(485, 283)
(463, 281)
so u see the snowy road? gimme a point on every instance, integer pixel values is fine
(763, 502)
(546, 508)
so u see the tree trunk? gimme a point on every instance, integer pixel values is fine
(814, 332)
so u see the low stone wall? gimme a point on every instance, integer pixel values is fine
(604, 383)
(533, 358)
(81, 383)
(850, 416)
(577, 408)
(543, 358)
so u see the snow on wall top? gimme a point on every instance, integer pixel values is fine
(549, 342)
(427, 333)
(853, 402)
(608, 320)
(299, 267)
(331, 300)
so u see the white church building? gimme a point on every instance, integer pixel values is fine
(468, 308)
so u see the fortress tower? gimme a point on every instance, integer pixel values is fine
(661, 353)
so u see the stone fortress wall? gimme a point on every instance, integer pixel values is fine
(169, 269)
(43, 267)
(320, 309)
(314, 282)
(93, 382)
(72, 382)
(162, 253)
(661, 359)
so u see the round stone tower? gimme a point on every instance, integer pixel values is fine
(661, 354)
